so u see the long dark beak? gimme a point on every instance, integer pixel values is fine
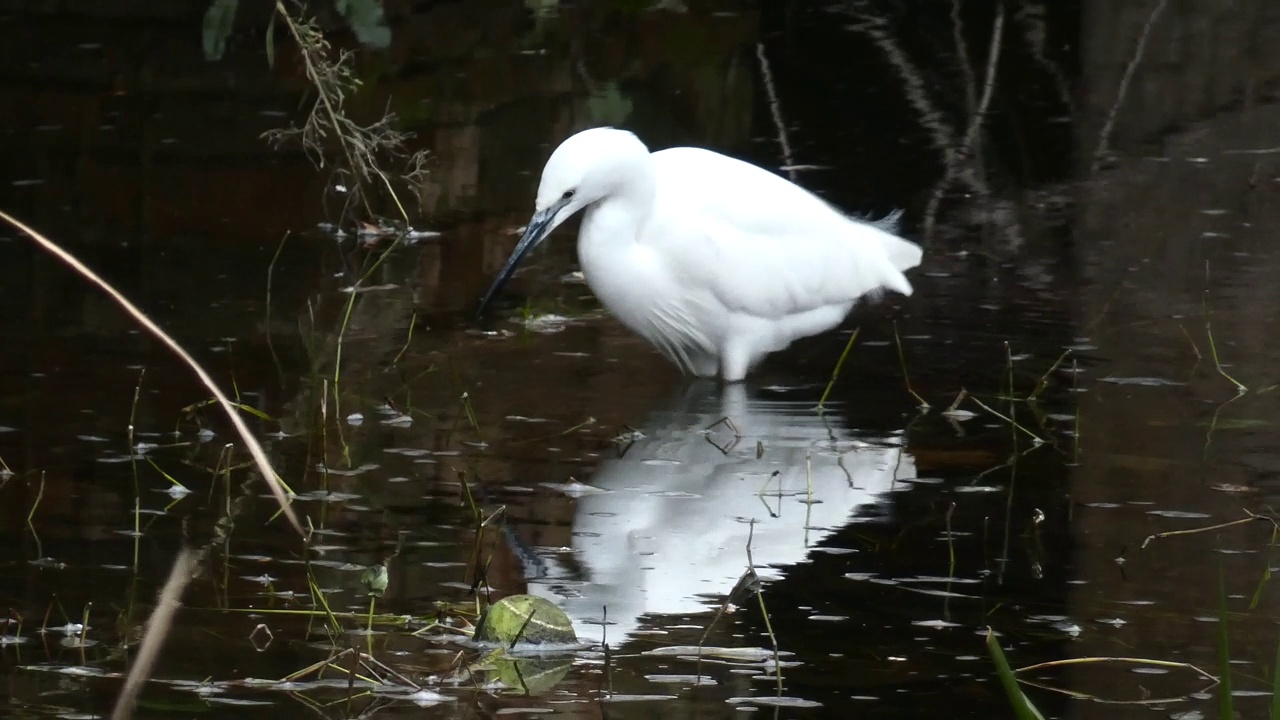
(539, 226)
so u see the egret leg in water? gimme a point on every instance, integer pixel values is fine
(713, 260)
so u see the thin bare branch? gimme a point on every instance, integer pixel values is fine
(255, 449)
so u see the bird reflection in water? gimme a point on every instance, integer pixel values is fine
(666, 529)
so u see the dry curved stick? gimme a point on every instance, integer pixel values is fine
(255, 449)
(1218, 526)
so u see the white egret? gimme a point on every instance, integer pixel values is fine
(713, 260)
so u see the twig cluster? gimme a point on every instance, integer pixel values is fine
(363, 147)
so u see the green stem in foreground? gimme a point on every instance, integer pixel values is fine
(1023, 709)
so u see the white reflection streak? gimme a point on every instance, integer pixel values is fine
(1036, 34)
(962, 165)
(1104, 136)
(775, 108)
(914, 86)
(989, 86)
(941, 132)
(962, 54)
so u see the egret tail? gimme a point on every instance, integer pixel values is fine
(904, 254)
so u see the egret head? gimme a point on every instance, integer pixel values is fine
(586, 168)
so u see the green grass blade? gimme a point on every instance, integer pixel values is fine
(835, 373)
(1023, 709)
(1225, 703)
(1275, 686)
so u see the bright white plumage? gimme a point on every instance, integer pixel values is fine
(714, 261)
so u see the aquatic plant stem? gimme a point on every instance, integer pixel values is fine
(351, 679)
(951, 543)
(764, 612)
(1275, 686)
(835, 373)
(902, 359)
(351, 301)
(1194, 348)
(133, 466)
(408, 338)
(318, 598)
(1075, 445)
(137, 530)
(324, 434)
(373, 599)
(31, 515)
(1044, 379)
(39, 496)
(271, 269)
(1225, 701)
(470, 412)
(84, 622)
(1011, 421)
(1213, 352)
(773, 639)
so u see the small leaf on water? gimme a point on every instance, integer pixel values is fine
(375, 579)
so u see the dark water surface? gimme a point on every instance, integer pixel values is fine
(1140, 235)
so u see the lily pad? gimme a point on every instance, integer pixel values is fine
(525, 619)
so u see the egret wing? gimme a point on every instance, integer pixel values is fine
(762, 245)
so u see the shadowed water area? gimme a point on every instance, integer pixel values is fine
(1096, 186)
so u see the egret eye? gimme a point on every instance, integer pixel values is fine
(567, 194)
